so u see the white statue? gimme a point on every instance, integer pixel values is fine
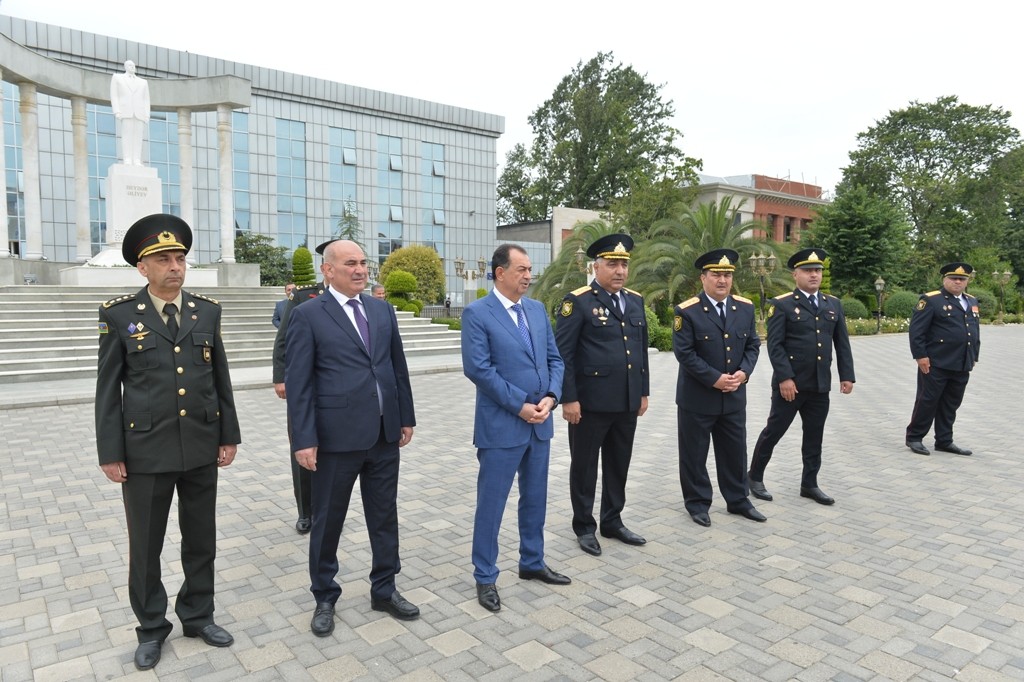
(129, 98)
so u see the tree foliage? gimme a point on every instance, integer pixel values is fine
(424, 264)
(568, 271)
(302, 267)
(400, 283)
(253, 247)
(603, 129)
(349, 227)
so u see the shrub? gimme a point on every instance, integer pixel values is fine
(400, 283)
(453, 323)
(253, 247)
(988, 303)
(302, 267)
(900, 303)
(657, 336)
(415, 306)
(854, 309)
(481, 292)
(424, 264)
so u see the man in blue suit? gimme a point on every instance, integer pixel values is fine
(350, 407)
(509, 352)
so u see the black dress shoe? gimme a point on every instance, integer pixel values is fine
(488, 597)
(918, 447)
(212, 634)
(303, 525)
(954, 448)
(323, 619)
(701, 519)
(758, 490)
(147, 655)
(750, 513)
(545, 575)
(626, 535)
(816, 494)
(397, 605)
(589, 544)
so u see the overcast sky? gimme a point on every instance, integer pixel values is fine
(778, 88)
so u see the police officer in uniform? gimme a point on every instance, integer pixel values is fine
(165, 423)
(803, 327)
(601, 334)
(945, 337)
(301, 483)
(716, 344)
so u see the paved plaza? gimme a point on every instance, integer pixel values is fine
(916, 573)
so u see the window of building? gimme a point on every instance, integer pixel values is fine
(101, 142)
(291, 183)
(388, 213)
(341, 156)
(432, 182)
(13, 170)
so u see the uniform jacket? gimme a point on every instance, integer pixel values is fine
(942, 331)
(604, 351)
(800, 343)
(332, 381)
(177, 406)
(496, 359)
(299, 295)
(706, 348)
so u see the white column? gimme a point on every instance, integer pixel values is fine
(227, 197)
(30, 154)
(185, 164)
(79, 128)
(5, 251)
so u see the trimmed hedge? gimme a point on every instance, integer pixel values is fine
(901, 303)
(853, 309)
(657, 336)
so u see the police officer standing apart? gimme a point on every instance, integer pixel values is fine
(945, 340)
(165, 422)
(716, 344)
(803, 326)
(601, 334)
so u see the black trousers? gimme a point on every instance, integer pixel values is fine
(302, 486)
(333, 481)
(729, 433)
(939, 394)
(147, 504)
(813, 410)
(608, 436)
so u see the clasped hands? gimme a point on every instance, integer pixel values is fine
(727, 383)
(537, 414)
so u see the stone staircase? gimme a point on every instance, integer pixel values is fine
(49, 333)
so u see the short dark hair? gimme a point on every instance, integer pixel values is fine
(502, 257)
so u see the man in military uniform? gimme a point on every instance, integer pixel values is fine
(803, 326)
(601, 334)
(716, 344)
(945, 337)
(165, 423)
(301, 484)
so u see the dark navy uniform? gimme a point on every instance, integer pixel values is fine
(706, 347)
(949, 336)
(606, 371)
(800, 343)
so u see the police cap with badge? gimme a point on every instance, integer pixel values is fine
(611, 247)
(718, 260)
(807, 259)
(957, 270)
(154, 234)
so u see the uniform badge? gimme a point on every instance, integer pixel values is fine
(677, 323)
(207, 356)
(103, 328)
(921, 304)
(191, 304)
(771, 310)
(566, 308)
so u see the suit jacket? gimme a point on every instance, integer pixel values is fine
(604, 350)
(299, 295)
(942, 331)
(800, 342)
(332, 381)
(706, 348)
(279, 309)
(162, 404)
(496, 359)
(129, 97)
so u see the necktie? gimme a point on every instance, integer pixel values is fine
(171, 311)
(523, 330)
(963, 303)
(721, 310)
(361, 325)
(615, 304)
(814, 304)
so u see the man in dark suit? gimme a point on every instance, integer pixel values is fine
(803, 326)
(602, 336)
(301, 485)
(945, 339)
(282, 305)
(509, 353)
(350, 407)
(165, 422)
(716, 344)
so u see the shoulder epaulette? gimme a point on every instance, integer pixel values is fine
(205, 298)
(782, 296)
(119, 299)
(688, 302)
(307, 286)
(635, 293)
(741, 299)
(834, 298)
(581, 290)
(933, 293)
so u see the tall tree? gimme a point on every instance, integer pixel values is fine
(603, 128)
(933, 162)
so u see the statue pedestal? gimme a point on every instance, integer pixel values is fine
(132, 192)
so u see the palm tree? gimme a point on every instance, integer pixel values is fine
(568, 270)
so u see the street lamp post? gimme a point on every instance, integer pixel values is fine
(1002, 278)
(762, 266)
(879, 288)
(470, 276)
(581, 262)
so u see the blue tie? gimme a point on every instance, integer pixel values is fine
(523, 330)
